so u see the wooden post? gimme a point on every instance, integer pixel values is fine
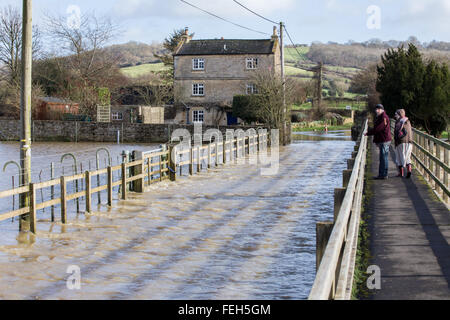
(446, 160)
(339, 194)
(438, 167)
(63, 199)
(124, 181)
(160, 167)
(110, 189)
(172, 164)
(354, 154)
(32, 207)
(209, 156)
(346, 174)
(191, 161)
(431, 163)
(323, 232)
(350, 163)
(199, 162)
(217, 152)
(88, 191)
(224, 152)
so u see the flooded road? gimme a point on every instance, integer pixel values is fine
(229, 233)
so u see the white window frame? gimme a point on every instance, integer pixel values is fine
(198, 64)
(198, 116)
(117, 115)
(198, 89)
(251, 88)
(251, 63)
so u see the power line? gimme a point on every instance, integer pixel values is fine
(271, 21)
(290, 39)
(216, 16)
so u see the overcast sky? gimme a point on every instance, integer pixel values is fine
(306, 20)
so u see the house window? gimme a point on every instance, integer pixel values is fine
(117, 115)
(198, 89)
(198, 64)
(197, 116)
(251, 63)
(251, 88)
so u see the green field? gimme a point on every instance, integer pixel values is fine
(143, 69)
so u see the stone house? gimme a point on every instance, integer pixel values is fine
(209, 73)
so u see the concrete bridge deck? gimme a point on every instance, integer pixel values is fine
(410, 236)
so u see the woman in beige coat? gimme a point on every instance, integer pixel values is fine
(403, 143)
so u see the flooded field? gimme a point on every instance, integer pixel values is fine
(229, 233)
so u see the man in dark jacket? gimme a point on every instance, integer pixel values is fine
(382, 138)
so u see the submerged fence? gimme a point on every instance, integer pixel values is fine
(145, 169)
(337, 241)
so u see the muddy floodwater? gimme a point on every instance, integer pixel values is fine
(226, 233)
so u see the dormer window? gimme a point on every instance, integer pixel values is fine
(251, 63)
(198, 64)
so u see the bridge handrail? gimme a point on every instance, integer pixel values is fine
(343, 234)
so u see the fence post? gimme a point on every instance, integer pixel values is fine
(32, 208)
(191, 161)
(224, 152)
(88, 191)
(138, 185)
(209, 155)
(446, 160)
(350, 163)
(346, 174)
(217, 152)
(199, 162)
(172, 164)
(323, 232)
(339, 194)
(124, 181)
(110, 182)
(63, 199)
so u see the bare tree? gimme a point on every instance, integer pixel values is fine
(89, 65)
(11, 43)
(270, 97)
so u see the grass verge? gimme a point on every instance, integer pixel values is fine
(363, 256)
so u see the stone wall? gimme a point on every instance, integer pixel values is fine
(46, 130)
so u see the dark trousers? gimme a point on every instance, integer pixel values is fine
(384, 160)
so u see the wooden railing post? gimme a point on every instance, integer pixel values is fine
(63, 199)
(110, 188)
(339, 194)
(446, 160)
(209, 155)
(323, 232)
(224, 151)
(88, 191)
(32, 208)
(346, 174)
(191, 161)
(172, 163)
(124, 181)
(199, 162)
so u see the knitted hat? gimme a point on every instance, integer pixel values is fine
(379, 106)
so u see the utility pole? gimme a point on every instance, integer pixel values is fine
(25, 110)
(284, 125)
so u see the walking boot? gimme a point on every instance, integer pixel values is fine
(409, 168)
(401, 171)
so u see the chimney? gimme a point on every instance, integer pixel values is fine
(186, 38)
(274, 34)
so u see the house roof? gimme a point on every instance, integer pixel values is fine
(56, 100)
(226, 46)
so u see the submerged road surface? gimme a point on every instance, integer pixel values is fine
(230, 233)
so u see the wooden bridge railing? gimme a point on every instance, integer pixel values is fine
(337, 242)
(139, 172)
(430, 157)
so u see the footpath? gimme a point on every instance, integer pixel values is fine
(409, 237)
